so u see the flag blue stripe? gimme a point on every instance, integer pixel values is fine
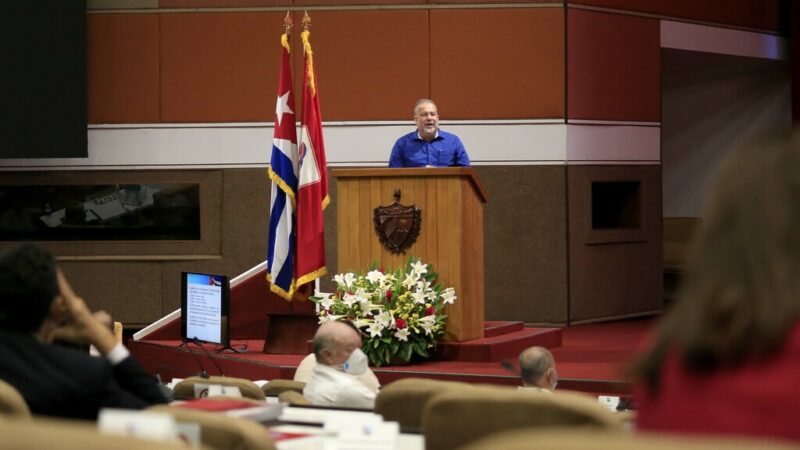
(283, 167)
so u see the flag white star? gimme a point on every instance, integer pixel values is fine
(282, 107)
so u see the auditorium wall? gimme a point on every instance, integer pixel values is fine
(543, 95)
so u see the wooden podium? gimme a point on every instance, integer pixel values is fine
(450, 237)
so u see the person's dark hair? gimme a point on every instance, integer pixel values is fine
(741, 294)
(27, 287)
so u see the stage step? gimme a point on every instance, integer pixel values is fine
(497, 348)
(492, 328)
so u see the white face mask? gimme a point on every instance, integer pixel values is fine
(356, 363)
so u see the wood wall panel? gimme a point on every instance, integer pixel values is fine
(129, 291)
(612, 67)
(220, 67)
(525, 243)
(614, 272)
(123, 68)
(498, 64)
(372, 65)
(758, 14)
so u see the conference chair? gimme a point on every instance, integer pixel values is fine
(184, 390)
(278, 386)
(293, 398)
(41, 433)
(222, 432)
(454, 419)
(12, 404)
(568, 439)
(306, 367)
(404, 400)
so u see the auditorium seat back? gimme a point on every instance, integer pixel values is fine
(278, 386)
(404, 400)
(293, 398)
(41, 433)
(11, 402)
(221, 432)
(454, 419)
(567, 439)
(184, 390)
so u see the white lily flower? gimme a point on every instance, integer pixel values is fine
(360, 323)
(409, 281)
(385, 318)
(449, 296)
(329, 318)
(423, 285)
(326, 301)
(402, 335)
(427, 325)
(348, 299)
(375, 329)
(375, 276)
(419, 268)
(419, 297)
(345, 279)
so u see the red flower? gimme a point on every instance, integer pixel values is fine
(400, 323)
(430, 310)
(389, 294)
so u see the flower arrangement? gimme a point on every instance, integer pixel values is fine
(399, 313)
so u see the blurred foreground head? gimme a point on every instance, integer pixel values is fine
(741, 295)
(27, 287)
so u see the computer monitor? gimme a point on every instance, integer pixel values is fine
(205, 305)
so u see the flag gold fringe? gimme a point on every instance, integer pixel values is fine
(280, 292)
(312, 276)
(284, 187)
(285, 42)
(310, 60)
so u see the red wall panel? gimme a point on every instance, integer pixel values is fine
(123, 68)
(222, 3)
(219, 67)
(613, 68)
(498, 64)
(371, 65)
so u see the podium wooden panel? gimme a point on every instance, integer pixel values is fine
(450, 238)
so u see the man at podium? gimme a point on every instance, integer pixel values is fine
(428, 146)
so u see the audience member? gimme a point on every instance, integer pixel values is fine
(726, 358)
(428, 146)
(37, 306)
(334, 382)
(537, 370)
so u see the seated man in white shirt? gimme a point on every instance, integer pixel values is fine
(334, 382)
(537, 370)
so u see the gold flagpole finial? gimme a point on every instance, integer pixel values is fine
(306, 20)
(287, 22)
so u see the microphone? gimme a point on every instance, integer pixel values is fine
(199, 343)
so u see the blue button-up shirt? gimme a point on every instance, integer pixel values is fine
(444, 150)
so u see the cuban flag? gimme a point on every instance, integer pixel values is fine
(283, 173)
(313, 182)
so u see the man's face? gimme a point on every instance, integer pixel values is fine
(346, 344)
(427, 119)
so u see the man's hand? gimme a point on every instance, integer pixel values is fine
(80, 326)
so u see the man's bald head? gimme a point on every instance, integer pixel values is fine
(538, 368)
(334, 342)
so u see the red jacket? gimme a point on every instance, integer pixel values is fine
(759, 398)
